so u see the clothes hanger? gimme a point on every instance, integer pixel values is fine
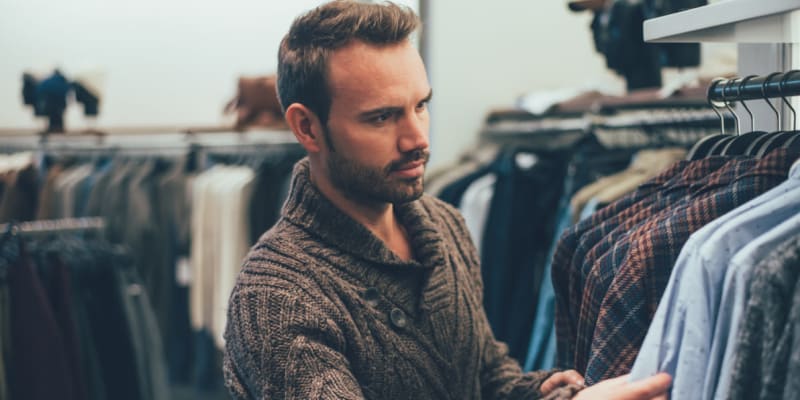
(716, 149)
(756, 148)
(779, 139)
(793, 144)
(740, 144)
(702, 147)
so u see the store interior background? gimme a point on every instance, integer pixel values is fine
(173, 64)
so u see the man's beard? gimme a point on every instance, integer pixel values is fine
(359, 182)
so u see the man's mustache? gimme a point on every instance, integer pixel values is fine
(410, 157)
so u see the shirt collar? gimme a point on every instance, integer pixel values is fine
(794, 171)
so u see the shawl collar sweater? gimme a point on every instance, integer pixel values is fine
(323, 309)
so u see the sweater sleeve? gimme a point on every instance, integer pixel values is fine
(501, 376)
(279, 346)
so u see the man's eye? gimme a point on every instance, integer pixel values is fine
(422, 105)
(383, 117)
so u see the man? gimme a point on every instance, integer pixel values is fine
(365, 287)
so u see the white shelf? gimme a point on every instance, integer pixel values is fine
(731, 21)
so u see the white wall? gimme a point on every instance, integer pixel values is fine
(165, 62)
(175, 62)
(485, 56)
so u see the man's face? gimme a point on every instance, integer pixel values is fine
(378, 122)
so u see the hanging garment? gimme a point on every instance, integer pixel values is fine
(89, 358)
(66, 186)
(517, 239)
(220, 196)
(764, 341)
(57, 284)
(679, 340)
(791, 332)
(234, 194)
(147, 237)
(39, 367)
(582, 237)
(590, 163)
(99, 294)
(454, 192)
(643, 240)
(645, 165)
(736, 293)
(270, 190)
(21, 195)
(617, 230)
(640, 274)
(175, 219)
(437, 180)
(5, 331)
(474, 207)
(144, 332)
(47, 208)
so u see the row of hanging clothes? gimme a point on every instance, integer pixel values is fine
(169, 199)
(693, 271)
(533, 175)
(73, 324)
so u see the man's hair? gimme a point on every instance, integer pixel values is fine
(304, 51)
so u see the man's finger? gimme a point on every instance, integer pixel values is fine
(573, 377)
(561, 379)
(648, 388)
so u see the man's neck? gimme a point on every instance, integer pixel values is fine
(378, 217)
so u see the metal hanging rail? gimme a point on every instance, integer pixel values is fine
(56, 226)
(770, 86)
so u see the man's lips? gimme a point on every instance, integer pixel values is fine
(409, 166)
(410, 170)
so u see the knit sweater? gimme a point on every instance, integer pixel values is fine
(322, 309)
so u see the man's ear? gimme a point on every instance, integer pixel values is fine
(306, 127)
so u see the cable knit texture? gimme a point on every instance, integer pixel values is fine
(322, 309)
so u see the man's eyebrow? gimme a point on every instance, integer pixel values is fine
(428, 97)
(391, 109)
(378, 111)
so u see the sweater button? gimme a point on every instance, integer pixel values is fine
(398, 318)
(371, 296)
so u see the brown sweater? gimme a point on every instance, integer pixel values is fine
(322, 309)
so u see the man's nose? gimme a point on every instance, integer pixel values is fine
(414, 133)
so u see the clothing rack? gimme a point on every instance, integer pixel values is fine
(671, 126)
(45, 227)
(778, 84)
(155, 143)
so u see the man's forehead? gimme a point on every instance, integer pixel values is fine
(362, 71)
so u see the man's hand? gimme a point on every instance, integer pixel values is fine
(652, 388)
(561, 379)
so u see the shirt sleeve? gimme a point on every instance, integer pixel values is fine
(279, 347)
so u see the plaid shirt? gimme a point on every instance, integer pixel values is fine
(563, 274)
(595, 279)
(641, 273)
(568, 276)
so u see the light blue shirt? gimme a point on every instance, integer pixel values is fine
(542, 346)
(735, 295)
(679, 340)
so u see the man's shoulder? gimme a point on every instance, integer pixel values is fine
(281, 251)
